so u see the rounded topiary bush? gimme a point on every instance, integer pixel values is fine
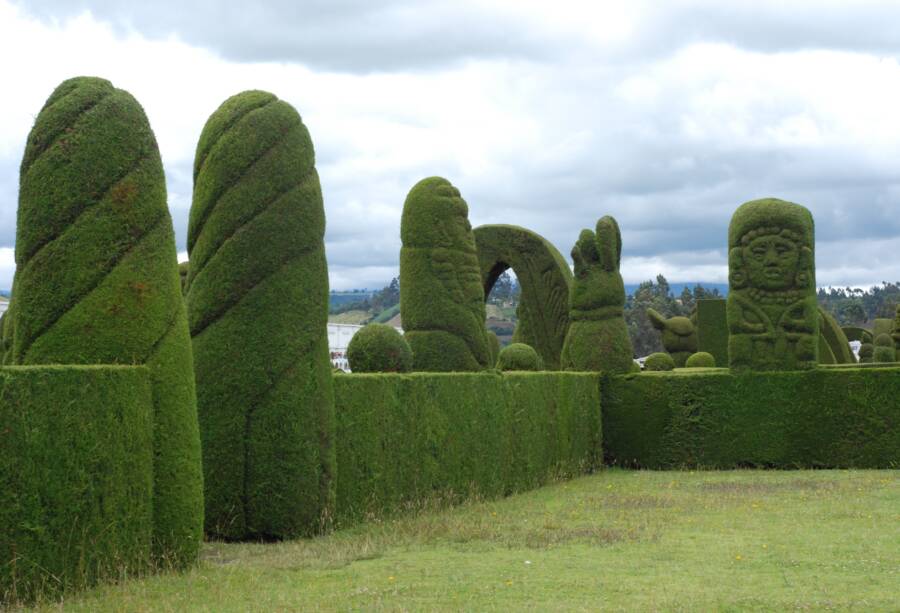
(866, 353)
(884, 354)
(659, 361)
(519, 356)
(884, 340)
(379, 348)
(701, 359)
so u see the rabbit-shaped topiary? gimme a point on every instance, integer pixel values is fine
(597, 339)
(679, 336)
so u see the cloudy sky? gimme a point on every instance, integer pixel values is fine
(666, 115)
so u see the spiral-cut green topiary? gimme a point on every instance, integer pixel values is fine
(597, 338)
(257, 296)
(379, 348)
(97, 277)
(659, 361)
(546, 282)
(866, 353)
(519, 356)
(772, 312)
(441, 296)
(701, 359)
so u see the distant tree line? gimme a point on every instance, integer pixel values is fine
(858, 307)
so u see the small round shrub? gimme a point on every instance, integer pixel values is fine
(866, 353)
(379, 348)
(884, 340)
(884, 354)
(701, 359)
(519, 356)
(659, 361)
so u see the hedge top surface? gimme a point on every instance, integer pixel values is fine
(379, 348)
(519, 356)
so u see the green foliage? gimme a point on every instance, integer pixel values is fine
(884, 349)
(545, 280)
(827, 417)
(677, 334)
(597, 338)
(855, 333)
(659, 361)
(895, 329)
(519, 356)
(183, 268)
(257, 299)
(403, 439)
(866, 353)
(494, 347)
(441, 298)
(379, 348)
(772, 311)
(884, 340)
(855, 306)
(881, 325)
(76, 476)
(712, 328)
(97, 277)
(701, 359)
(835, 338)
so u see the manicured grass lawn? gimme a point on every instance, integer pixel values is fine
(617, 540)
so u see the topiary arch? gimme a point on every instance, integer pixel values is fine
(545, 278)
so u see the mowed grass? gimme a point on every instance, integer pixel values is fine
(616, 540)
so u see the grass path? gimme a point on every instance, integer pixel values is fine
(617, 540)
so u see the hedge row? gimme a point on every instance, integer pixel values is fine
(824, 418)
(405, 438)
(76, 476)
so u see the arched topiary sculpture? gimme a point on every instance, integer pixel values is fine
(679, 336)
(772, 312)
(519, 356)
(379, 348)
(659, 361)
(257, 297)
(884, 349)
(441, 296)
(834, 336)
(546, 282)
(866, 353)
(597, 338)
(493, 347)
(701, 359)
(97, 277)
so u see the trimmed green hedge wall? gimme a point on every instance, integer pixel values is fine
(405, 438)
(257, 296)
(712, 328)
(834, 417)
(76, 477)
(97, 278)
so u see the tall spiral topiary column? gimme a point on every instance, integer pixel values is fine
(257, 296)
(441, 296)
(97, 278)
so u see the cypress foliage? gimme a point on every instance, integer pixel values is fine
(701, 359)
(712, 329)
(493, 347)
(97, 278)
(441, 296)
(659, 361)
(257, 296)
(379, 348)
(597, 338)
(519, 356)
(546, 282)
(678, 336)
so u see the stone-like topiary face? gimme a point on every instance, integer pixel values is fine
(772, 313)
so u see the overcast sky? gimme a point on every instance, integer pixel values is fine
(666, 115)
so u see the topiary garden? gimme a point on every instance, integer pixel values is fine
(100, 447)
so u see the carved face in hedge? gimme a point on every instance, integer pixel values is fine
(772, 262)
